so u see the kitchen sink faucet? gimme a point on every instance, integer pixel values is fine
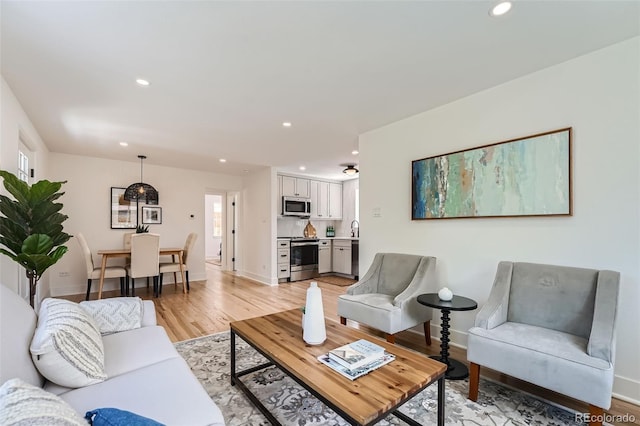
(355, 228)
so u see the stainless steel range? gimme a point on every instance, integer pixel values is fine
(304, 258)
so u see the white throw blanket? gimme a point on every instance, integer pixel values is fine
(115, 314)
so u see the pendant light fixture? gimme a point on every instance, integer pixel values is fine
(350, 170)
(141, 191)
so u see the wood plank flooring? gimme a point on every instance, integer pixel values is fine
(223, 297)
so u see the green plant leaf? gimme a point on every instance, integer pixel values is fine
(16, 187)
(37, 244)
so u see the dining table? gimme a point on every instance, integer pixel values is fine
(126, 252)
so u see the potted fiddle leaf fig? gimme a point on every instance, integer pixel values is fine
(31, 231)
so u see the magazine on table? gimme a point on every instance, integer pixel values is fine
(356, 354)
(357, 372)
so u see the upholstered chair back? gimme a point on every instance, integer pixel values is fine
(145, 255)
(396, 272)
(188, 246)
(560, 298)
(86, 253)
(126, 240)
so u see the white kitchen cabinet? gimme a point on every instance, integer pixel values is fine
(295, 187)
(327, 197)
(342, 256)
(324, 256)
(284, 259)
(335, 201)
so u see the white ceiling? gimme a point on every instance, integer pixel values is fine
(225, 75)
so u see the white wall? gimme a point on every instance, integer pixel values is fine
(343, 227)
(257, 255)
(87, 200)
(596, 94)
(13, 123)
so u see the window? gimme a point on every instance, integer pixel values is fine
(23, 167)
(217, 219)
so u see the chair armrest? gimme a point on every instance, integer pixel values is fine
(148, 314)
(424, 281)
(602, 338)
(369, 283)
(494, 311)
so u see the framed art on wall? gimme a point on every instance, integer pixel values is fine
(529, 176)
(151, 215)
(124, 214)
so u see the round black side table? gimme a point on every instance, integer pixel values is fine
(455, 369)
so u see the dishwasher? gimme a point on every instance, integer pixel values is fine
(354, 258)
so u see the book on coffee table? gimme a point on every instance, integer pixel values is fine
(356, 354)
(357, 372)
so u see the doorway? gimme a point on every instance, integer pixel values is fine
(214, 228)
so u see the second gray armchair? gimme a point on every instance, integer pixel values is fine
(386, 297)
(550, 325)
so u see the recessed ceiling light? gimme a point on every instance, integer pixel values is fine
(501, 8)
(286, 124)
(142, 82)
(124, 144)
(355, 152)
(302, 168)
(223, 160)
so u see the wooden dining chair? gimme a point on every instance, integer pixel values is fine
(93, 272)
(175, 265)
(145, 257)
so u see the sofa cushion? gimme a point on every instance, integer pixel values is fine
(134, 349)
(115, 314)
(167, 392)
(25, 404)
(128, 351)
(17, 325)
(549, 342)
(67, 346)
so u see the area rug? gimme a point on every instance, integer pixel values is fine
(335, 280)
(209, 359)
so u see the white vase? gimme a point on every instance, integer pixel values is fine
(314, 331)
(445, 294)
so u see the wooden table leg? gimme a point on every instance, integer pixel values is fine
(102, 269)
(184, 281)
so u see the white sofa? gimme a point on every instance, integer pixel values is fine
(146, 375)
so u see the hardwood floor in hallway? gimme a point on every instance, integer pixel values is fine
(211, 305)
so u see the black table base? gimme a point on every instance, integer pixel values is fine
(455, 369)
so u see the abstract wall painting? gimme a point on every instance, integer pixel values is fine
(529, 176)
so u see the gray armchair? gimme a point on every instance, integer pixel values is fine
(386, 297)
(552, 326)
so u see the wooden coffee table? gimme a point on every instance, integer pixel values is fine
(364, 401)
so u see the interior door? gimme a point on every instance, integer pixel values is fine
(25, 172)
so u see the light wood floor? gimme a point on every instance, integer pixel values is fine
(211, 305)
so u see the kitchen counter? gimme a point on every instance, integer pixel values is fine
(325, 238)
(339, 238)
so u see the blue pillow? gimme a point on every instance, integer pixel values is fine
(116, 417)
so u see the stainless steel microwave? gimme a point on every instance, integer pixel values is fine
(296, 206)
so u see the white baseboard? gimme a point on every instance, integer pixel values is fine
(260, 278)
(626, 389)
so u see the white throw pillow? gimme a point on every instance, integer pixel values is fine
(25, 404)
(67, 346)
(115, 314)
